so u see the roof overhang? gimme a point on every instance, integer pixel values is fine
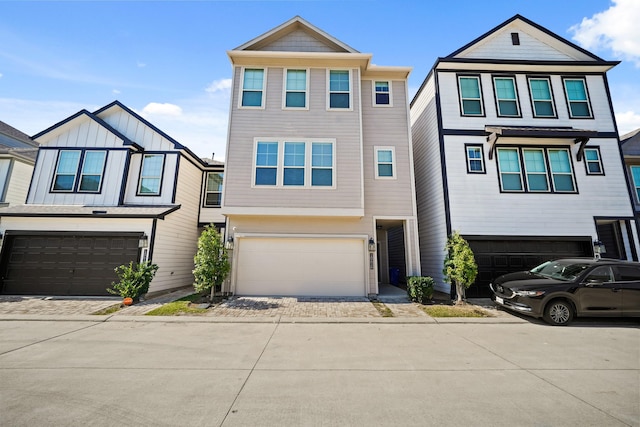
(578, 136)
(299, 59)
(505, 65)
(72, 211)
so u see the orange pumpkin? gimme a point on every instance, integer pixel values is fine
(127, 301)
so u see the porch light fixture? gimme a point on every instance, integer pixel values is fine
(372, 245)
(598, 249)
(229, 243)
(143, 241)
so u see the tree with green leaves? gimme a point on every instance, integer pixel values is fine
(211, 261)
(460, 268)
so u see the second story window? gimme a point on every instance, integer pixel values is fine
(385, 159)
(213, 191)
(296, 89)
(541, 98)
(470, 96)
(252, 87)
(66, 170)
(382, 93)
(510, 172)
(92, 171)
(593, 161)
(576, 93)
(79, 171)
(339, 89)
(294, 156)
(151, 175)
(266, 163)
(322, 164)
(635, 174)
(475, 159)
(545, 170)
(506, 96)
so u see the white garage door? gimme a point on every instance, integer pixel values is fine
(300, 266)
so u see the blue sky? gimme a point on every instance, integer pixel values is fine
(167, 59)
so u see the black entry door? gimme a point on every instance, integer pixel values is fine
(63, 263)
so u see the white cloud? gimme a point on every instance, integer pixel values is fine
(166, 109)
(616, 29)
(141, 64)
(116, 92)
(219, 85)
(0, 75)
(627, 122)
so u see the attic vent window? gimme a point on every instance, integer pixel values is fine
(515, 39)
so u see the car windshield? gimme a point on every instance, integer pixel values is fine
(561, 270)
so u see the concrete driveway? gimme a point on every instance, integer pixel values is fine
(186, 373)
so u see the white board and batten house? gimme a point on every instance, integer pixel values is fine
(108, 188)
(319, 182)
(516, 147)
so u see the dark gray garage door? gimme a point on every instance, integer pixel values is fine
(64, 264)
(500, 256)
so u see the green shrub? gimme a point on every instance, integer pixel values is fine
(211, 261)
(134, 279)
(420, 288)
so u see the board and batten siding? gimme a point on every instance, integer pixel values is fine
(479, 208)
(275, 122)
(44, 172)
(452, 118)
(429, 184)
(18, 185)
(387, 127)
(176, 238)
(167, 184)
(86, 134)
(136, 130)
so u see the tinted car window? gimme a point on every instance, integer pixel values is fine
(628, 274)
(600, 274)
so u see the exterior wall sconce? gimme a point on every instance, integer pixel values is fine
(229, 244)
(143, 242)
(598, 249)
(372, 245)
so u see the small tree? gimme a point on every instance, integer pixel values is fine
(211, 261)
(134, 279)
(460, 268)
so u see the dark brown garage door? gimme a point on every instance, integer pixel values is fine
(496, 257)
(64, 264)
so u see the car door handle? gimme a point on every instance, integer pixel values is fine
(615, 289)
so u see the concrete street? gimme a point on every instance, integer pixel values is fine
(190, 372)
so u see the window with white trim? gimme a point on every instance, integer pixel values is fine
(593, 162)
(382, 93)
(475, 159)
(339, 89)
(385, 161)
(79, 171)
(575, 90)
(506, 96)
(295, 85)
(294, 163)
(470, 96)
(253, 80)
(213, 190)
(541, 97)
(535, 170)
(635, 174)
(151, 175)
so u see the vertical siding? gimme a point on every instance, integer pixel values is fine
(429, 184)
(136, 130)
(167, 185)
(176, 238)
(18, 183)
(274, 122)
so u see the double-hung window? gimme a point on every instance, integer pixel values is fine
(322, 164)
(79, 171)
(253, 87)
(295, 89)
(385, 162)
(151, 175)
(339, 89)
(266, 163)
(506, 96)
(541, 98)
(535, 170)
(213, 191)
(381, 93)
(576, 93)
(470, 96)
(635, 174)
(593, 162)
(475, 159)
(294, 160)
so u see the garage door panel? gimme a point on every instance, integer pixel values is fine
(300, 266)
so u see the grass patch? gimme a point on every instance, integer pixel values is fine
(184, 306)
(109, 310)
(454, 311)
(382, 309)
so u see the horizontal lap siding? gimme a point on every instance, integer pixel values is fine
(18, 183)
(176, 238)
(273, 121)
(429, 184)
(387, 126)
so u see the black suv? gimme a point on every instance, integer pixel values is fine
(561, 289)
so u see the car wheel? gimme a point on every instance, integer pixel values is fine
(558, 313)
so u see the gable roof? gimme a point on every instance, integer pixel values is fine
(630, 143)
(11, 137)
(296, 24)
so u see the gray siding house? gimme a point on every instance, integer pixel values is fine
(319, 167)
(516, 147)
(17, 157)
